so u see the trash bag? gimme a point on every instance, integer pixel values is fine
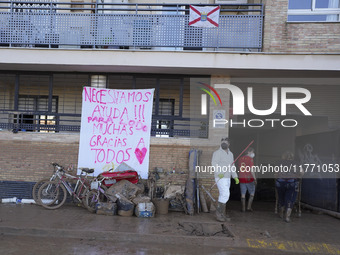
(173, 190)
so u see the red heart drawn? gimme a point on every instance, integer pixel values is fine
(140, 154)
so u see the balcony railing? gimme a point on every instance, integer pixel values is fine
(135, 26)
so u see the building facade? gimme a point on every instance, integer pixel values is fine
(50, 50)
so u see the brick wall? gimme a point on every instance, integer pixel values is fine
(305, 37)
(30, 160)
(27, 157)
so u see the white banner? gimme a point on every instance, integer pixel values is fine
(115, 129)
(203, 16)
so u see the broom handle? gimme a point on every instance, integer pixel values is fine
(243, 152)
(235, 161)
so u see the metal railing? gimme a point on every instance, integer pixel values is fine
(23, 121)
(37, 121)
(146, 26)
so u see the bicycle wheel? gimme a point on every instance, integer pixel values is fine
(36, 188)
(91, 199)
(91, 205)
(87, 190)
(81, 192)
(52, 195)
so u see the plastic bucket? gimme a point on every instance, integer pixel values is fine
(162, 205)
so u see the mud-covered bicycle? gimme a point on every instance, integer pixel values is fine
(96, 194)
(53, 194)
(38, 184)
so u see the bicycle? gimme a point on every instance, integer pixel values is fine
(38, 184)
(96, 194)
(53, 194)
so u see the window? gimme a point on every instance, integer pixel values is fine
(33, 6)
(166, 107)
(77, 7)
(314, 10)
(33, 117)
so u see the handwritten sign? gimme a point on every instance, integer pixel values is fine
(115, 129)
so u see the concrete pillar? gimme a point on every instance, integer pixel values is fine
(220, 130)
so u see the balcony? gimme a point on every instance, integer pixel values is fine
(126, 26)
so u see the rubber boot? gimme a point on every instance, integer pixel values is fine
(250, 202)
(225, 215)
(281, 211)
(219, 212)
(288, 213)
(243, 202)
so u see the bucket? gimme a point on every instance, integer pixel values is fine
(162, 205)
(145, 210)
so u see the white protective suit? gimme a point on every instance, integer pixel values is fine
(222, 161)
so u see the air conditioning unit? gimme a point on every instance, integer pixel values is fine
(231, 1)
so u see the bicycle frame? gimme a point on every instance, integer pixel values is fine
(58, 169)
(70, 190)
(98, 189)
(50, 191)
(99, 184)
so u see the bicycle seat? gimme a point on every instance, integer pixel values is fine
(87, 170)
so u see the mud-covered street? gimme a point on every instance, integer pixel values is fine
(45, 245)
(31, 229)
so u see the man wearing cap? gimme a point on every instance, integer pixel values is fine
(222, 161)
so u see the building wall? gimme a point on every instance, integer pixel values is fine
(6, 92)
(27, 157)
(283, 36)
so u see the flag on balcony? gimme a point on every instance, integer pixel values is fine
(203, 16)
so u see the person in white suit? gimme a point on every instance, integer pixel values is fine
(222, 161)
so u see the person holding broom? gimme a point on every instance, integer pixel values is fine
(223, 163)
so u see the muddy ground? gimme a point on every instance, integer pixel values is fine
(31, 229)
